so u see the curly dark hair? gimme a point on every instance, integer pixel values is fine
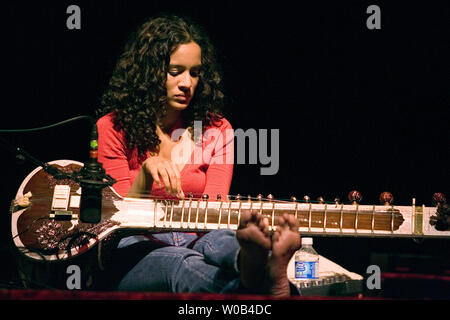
(137, 93)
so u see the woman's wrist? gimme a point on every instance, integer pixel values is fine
(142, 184)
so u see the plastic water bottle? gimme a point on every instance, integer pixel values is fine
(306, 262)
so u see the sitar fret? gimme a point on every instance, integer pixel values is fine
(220, 215)
(239, 213)
(206, 213)
(155, 216)
(229, 215)
(197, 213)
(273, 216)
(165, 215)
(171, 214)
(182, 214)
(189, 213)
(309, 217)
(296, 209)
(373, 220)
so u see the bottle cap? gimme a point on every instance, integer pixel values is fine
(307, 241)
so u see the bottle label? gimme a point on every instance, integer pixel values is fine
(306, 270)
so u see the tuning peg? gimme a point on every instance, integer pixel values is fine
(337, 200)
(205, 197)
(306, 199)
(219, 197)
(439, 199)
(320, 200)
(293, 199)
(270, 198)
(190, 195)
(249, 198)
(386, 198)
(237, 197)
(354, 196)
(259, 197)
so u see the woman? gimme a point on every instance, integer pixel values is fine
(161, 134)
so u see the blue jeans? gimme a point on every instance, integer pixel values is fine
(210, 266)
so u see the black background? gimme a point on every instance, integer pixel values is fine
(356, 108)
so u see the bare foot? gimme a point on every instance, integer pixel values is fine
(254, 238)
(285, 242)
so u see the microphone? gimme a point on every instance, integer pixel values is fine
(92, 179)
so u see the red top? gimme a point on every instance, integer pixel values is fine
(209, 169)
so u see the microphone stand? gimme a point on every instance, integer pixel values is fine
(92, 179)
(21, 154)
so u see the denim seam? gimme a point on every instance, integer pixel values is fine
(202, 275)
(235, 263)
(210, 246)
(183, 261)
(197, 272)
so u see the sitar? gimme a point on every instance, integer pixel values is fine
(46, 227)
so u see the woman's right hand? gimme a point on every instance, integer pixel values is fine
(164, 172)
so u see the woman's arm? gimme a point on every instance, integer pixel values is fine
(112, 153)
(220, 170)
(142, 185)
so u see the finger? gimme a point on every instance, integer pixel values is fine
(172, 178)
(179, 191)
(165, 178)
(155, 176)
(181, 194)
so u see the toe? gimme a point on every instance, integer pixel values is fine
(276, 235)
(281, 221)
(245, 218)
(255, 217)
(293, 223)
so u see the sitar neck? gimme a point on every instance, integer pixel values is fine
(204, 215)
(197, 215)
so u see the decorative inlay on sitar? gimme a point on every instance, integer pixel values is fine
(42, 231)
